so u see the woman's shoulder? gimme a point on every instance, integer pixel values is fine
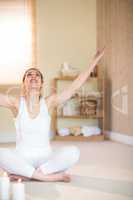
(15, 100)
(46, 99)
(50, 101)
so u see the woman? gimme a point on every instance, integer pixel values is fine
(33, 157)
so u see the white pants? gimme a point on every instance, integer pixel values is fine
(59, 160)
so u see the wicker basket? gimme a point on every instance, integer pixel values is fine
(88, 106)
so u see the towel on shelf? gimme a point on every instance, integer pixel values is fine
(90, 130)
(64, 131)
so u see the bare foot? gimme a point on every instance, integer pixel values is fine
(66, 177)
(58, 176)
(62, 176)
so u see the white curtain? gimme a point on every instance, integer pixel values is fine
(15, 40)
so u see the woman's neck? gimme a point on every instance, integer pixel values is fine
(32, 99)
(33, 95)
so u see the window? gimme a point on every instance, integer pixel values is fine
(17, 46)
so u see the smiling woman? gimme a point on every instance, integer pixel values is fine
(17, 45)
(33, 156)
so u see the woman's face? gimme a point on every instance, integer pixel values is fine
(33, 80)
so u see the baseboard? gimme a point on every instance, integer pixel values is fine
(7, 137)
(119, 137)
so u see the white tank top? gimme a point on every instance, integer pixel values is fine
(32, 133)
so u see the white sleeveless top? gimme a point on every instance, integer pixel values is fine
(32, 133)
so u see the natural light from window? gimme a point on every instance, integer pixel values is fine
(15, 41)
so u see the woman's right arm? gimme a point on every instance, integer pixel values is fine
(7, 101)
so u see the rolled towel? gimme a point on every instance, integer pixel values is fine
(64, 131)
(90, 130)
(75, 131)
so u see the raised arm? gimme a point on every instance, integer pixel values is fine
(7, 101)
(57, 99)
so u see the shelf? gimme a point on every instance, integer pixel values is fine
(80, 116)
(80, 138)
(97, 95)
(71, 78)
(65, 78)
(91, 97)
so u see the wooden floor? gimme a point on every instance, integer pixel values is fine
(104, 172)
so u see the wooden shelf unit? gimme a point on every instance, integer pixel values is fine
(98, 116)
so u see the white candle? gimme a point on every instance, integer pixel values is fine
(18, 190)
(4, 187)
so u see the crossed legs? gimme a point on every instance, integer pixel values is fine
(50, 170)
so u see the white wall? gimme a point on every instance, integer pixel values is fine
(66, 31)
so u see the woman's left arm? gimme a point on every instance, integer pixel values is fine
(57, 99)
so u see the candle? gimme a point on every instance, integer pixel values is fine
(18, 190)
(4, 187)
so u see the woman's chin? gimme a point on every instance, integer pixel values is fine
(34, 85)
(34, 88)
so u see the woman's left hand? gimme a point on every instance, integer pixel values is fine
(99, 54)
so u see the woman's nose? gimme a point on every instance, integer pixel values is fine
(33, 75)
